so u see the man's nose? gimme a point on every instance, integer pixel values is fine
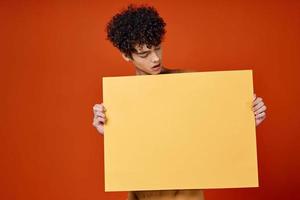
(154, 57)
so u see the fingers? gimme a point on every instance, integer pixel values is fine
(260, 115)
(260, 110)
(99, 107)
(99, 114)
(99, 110)
(99, 117)
(258, 106)
(98, 123)
(100, 129)
(257, 101)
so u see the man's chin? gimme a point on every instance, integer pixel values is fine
(156, 71)
(150, 71)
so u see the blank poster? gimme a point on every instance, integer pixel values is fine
(180, 131)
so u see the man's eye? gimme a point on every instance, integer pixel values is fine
(143, 55)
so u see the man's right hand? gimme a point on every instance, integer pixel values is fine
(99, 117)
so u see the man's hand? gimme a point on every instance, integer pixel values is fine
(259, 109)
(99, 117)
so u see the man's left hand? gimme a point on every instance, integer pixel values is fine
(259, 109)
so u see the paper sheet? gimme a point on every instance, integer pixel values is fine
(180, 131)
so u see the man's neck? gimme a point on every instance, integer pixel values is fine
(140, 72)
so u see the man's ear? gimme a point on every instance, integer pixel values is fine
(125, 57)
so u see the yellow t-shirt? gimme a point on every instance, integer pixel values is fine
(195, 194)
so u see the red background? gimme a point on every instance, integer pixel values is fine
(54, 54)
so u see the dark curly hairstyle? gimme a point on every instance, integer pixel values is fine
(136, 25)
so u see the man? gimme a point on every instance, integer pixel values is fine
(138, 32)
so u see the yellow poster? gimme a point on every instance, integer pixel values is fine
(180, 131)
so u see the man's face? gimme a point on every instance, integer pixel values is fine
(147, 61)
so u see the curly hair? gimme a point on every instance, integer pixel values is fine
(136, 25)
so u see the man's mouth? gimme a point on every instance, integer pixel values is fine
(156, 67)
